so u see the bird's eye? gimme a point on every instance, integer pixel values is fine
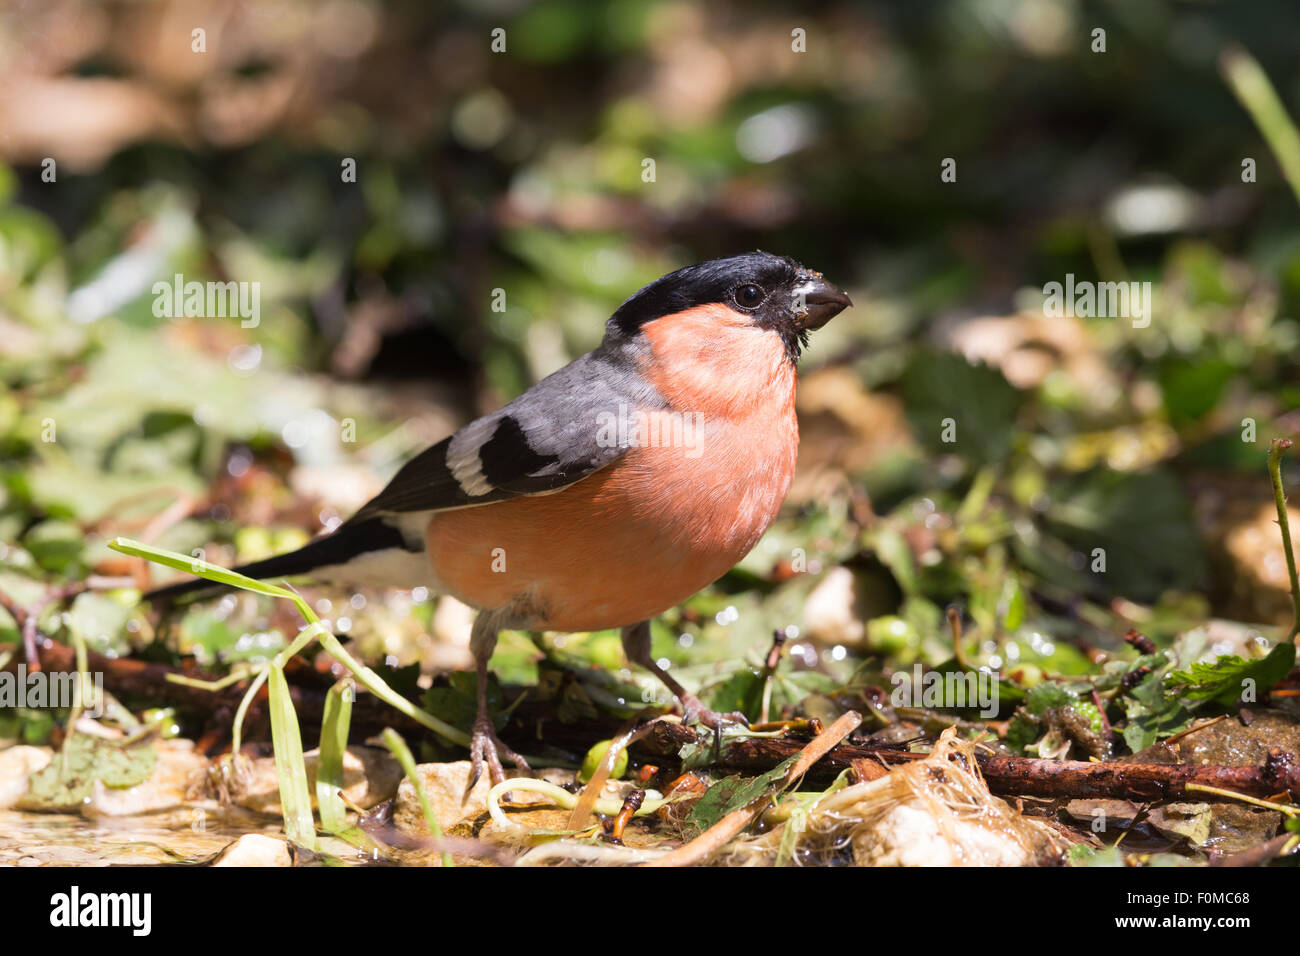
(748, 296)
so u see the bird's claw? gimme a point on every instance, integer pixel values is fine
(486, 749)
(694, 711)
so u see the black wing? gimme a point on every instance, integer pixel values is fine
(558, 432)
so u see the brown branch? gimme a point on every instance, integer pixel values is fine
(150, 681)
(25, 619)
(1016, 776)
(1134, 781)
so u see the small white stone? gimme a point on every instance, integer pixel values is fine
(255, 849)
(17, 764)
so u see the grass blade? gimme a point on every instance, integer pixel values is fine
(333, 744)
(364, 675)
(397, 746)
(295, 798)
(1256, 93)
(1275, 450)
(196, 566)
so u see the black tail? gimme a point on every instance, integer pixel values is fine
(328, 550)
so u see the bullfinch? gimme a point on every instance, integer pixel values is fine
(611, 490)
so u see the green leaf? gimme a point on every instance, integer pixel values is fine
(69, 779)
(790, 836)
(457, 701)
(892, 550)
(1022, 732)
(406, 680)
(980, 402)
(1015, 603)
(1083, 855)
(1142, 524)
(1152, 714)
(792, 687)
(366, 677)
(735, 793)
(1091, 713)
(742, 691)
(1043, 697)
(1007, 693)
(205, 633)
(99, 619)
(1224, 680)
(1192, 389)
(28, 726)
(57, 546)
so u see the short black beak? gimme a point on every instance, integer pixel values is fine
(817, 301)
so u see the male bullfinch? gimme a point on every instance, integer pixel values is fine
(611, 490)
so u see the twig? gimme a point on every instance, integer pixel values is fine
(1137, 818)
(1139, 641)
(1275, 449)
(566, 851)
(1253, 801)
(718, 835)
(628, 733)
(1106, 730)
(959, 652)
(1011, 776)
(1170, 741)
(769, 671)
(25, 619)
(16, 610)
(173, 514)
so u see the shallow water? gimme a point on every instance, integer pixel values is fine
(185, 835)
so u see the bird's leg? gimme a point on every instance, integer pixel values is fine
(485, 745)
(636, 645)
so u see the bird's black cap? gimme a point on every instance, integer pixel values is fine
(794, 299)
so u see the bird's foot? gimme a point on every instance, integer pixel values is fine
(694, 712)
(486, 749)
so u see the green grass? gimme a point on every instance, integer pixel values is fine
(295, 799)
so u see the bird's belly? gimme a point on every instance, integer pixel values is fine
(623, 545)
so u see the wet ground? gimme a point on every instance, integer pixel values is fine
(186, 835)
